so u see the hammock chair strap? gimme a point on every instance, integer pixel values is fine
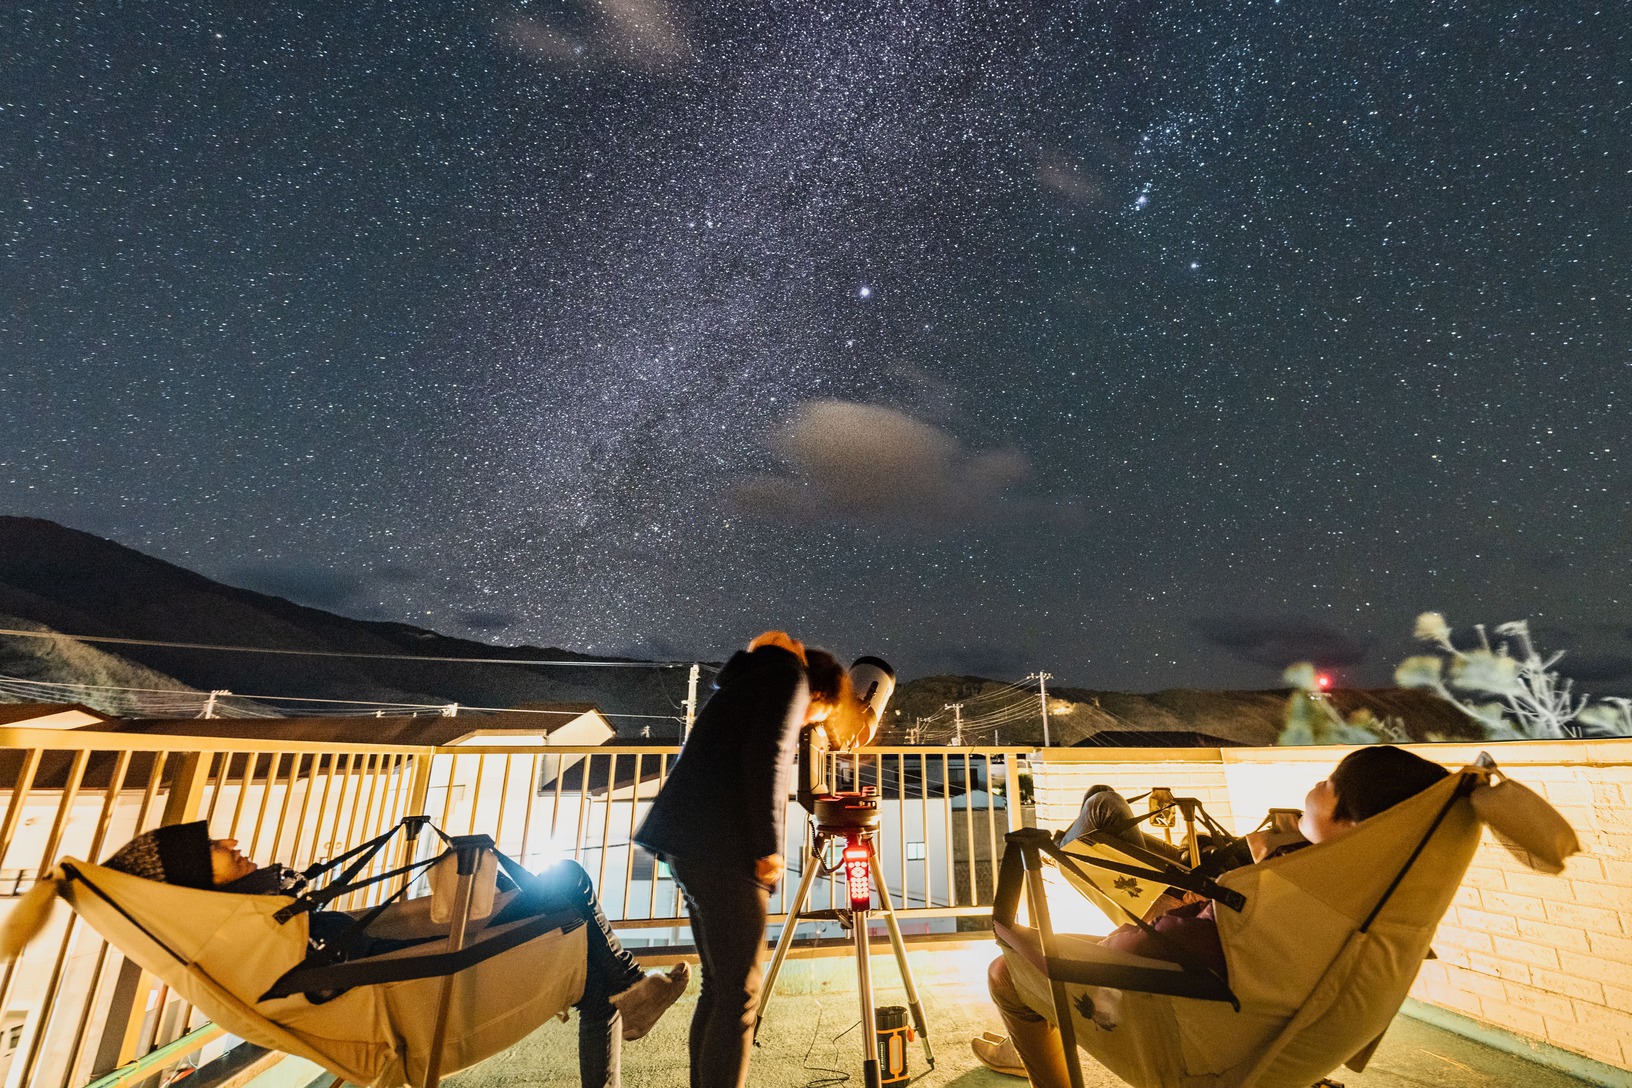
(1200, 983)
(346, 882)
(1154, 868)
(1463, 788)
(73, 873)
(310, 978)
(1195, 979)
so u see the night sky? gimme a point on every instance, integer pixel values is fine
(1150, 344)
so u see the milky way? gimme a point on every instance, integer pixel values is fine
(1149, 344)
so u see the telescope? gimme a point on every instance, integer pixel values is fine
(850, 727)
(849, 819)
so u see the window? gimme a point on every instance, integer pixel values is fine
(915, 851)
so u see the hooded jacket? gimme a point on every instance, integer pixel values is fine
(725, 797)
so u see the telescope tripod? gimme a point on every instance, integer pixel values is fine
(862, 871)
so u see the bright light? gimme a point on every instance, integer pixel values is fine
(1323, 681)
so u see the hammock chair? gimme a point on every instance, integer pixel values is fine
(1321, 944)
(470, 987)
(1137, 877)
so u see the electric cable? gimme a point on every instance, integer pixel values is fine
(356, 654)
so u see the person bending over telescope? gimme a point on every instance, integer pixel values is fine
(620, 1001)
(717, 822)
(1365, 782)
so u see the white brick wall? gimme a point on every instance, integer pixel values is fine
(1545, 957)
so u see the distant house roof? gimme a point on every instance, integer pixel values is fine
(539, 724)
(49, 715)
(515, 726)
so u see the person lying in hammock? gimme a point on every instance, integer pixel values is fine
(620, 1001)
(1365, 782)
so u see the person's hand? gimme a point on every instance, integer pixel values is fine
(780, 639)
(768, 869)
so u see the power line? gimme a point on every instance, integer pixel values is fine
(15, 683)
(352, 654)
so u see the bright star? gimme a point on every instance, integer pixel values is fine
(864, 292)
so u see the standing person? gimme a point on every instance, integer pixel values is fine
(717, 822)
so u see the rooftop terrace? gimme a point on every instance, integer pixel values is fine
(802, 1044)
(1533, 964)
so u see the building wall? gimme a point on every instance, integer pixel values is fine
(1546, 958)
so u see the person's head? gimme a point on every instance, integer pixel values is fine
(1365, 782)
(829, 685)
(184, 855)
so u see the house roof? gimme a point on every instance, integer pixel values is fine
(523, 724)
(541, 719)
(49, 715)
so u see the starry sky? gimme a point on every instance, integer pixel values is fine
(1148, 343)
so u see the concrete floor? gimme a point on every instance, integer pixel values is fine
(810, 1039)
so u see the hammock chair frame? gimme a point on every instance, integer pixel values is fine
(1021, 876)
(319, 974)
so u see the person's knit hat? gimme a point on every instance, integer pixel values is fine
(176, 854)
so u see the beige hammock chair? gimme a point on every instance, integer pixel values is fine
(404, 1017)
(1321, 944)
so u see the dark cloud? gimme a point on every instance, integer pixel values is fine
(870, 465)
(303, 583)
(989, 659)
(397, 574)
(1279, 641)
(488, 621)
(1596, 667)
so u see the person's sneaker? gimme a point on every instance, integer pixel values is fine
(643, 1004)
(996, 1052)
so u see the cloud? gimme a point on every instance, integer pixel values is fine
(641, 34)
(303, 583)
(870, 465)
(1279, 641)
(397, 574)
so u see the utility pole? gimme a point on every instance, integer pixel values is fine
(1042, 679)
(957, 723)
(209, 704)
(691, 702)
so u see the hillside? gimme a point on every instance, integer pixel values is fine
(59, 579)
(69, 581)
(1077, 715)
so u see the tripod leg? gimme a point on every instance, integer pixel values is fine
(900, 946)
(864, 986)
(813, 865)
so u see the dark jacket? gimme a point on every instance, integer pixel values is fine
(725, 797)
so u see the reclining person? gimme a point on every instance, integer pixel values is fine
(1365, 782)
(620, 1001)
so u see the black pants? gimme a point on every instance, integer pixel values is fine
(727, 909)
(610, 969)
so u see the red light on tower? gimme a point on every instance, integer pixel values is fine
(858, 877)
(1324, 681)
